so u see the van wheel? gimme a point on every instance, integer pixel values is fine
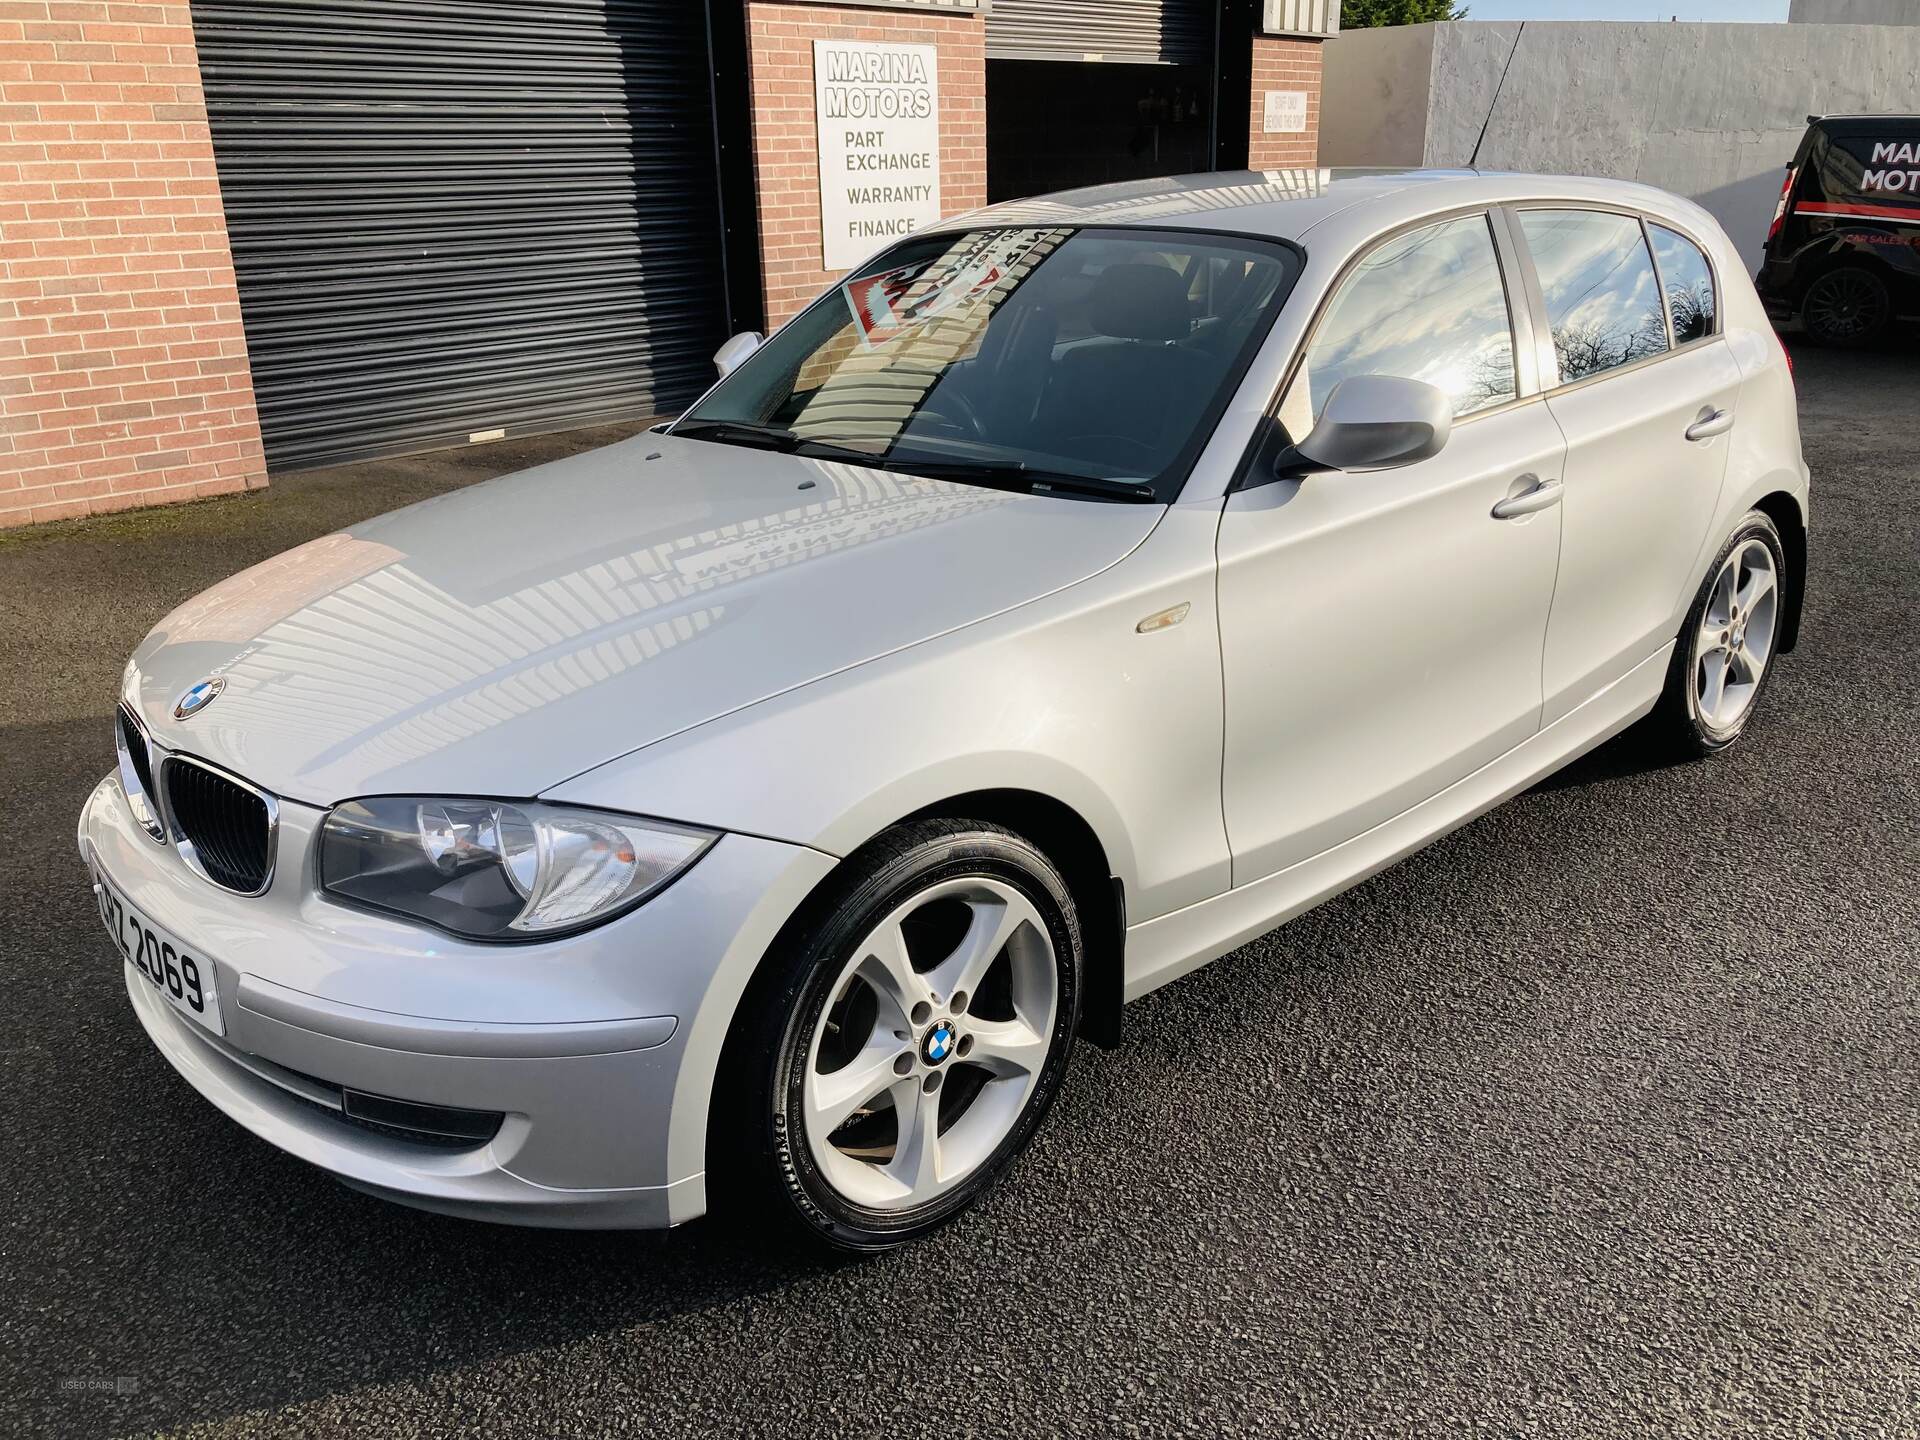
(1847, 308)
(902, 1051)
(1724, 655)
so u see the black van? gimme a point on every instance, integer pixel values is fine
(1843, 252)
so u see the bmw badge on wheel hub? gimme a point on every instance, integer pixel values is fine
(938, 1043)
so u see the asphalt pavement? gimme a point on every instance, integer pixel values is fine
(1599, 1117)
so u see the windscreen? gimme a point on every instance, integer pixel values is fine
(1016, 355)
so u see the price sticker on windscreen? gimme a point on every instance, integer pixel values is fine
(889, 302)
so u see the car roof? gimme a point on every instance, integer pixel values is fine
(1849, 125)
(1339, 204)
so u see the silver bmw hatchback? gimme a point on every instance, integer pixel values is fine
(752, 815)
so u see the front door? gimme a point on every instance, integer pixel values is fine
(1381, 633)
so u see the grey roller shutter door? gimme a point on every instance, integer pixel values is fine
(1168, 31)
(452, 218)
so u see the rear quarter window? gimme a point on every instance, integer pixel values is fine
(1688, 280)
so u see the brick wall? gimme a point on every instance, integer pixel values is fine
(123, 370)
(1284, 64)
(785, 143)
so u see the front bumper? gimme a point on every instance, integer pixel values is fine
(596, 1051)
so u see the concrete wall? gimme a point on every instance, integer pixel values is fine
(1377, 82)
(1709, 111)
(1855, 12)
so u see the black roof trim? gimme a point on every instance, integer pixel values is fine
(1863, 124)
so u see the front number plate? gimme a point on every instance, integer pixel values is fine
(184, 979)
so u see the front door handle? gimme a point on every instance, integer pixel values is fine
(1538, 497)
(1710, 424)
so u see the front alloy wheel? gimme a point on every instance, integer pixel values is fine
(935, 1038)
(903, 1044)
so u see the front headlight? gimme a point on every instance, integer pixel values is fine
(494, 870)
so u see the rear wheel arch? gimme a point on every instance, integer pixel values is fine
(1784, 510)
(1863, 266)
(1842, 257)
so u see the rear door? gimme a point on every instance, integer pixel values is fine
(1646, 413)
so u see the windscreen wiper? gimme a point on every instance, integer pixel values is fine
(773, 437)
(1006, 474)
(738, 432)
(1017, 473)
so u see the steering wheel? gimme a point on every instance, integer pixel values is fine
(1118, 449)
(964, 419)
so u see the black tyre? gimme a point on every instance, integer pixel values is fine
(904, 1045)
(1725, 653)
(1847, 308)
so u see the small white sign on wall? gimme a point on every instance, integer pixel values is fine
(1286, 112)
(878, 112)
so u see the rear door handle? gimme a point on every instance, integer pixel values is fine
(1710, 424)
(1542, 494)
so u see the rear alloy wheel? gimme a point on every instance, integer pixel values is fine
(1733, 642)
(908, 1051)
(1848, 307)
(1725, 651)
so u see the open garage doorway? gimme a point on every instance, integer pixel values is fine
(1057, 125)
(1084, 92)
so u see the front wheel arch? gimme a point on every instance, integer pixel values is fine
(737, 1175)
(1065, 837)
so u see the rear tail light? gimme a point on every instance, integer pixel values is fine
(1784, 203)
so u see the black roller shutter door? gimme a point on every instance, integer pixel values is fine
(450, 219)
(1177, 32)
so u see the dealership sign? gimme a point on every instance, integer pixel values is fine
(878, 112)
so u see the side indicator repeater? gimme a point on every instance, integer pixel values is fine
(1164, 619)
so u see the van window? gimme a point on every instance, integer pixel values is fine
(1603, 302)
(1428, 305)
(1881, 169)
(1689, 284)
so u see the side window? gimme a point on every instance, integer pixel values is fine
(1603, 301)
(1689, 284)
(1428, 305)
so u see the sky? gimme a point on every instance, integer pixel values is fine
(1748, 10)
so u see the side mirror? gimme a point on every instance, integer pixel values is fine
(728, 357)
(1374, 422)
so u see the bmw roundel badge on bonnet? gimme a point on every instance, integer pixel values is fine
(199, 697)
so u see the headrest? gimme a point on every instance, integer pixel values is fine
(1141, 302)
